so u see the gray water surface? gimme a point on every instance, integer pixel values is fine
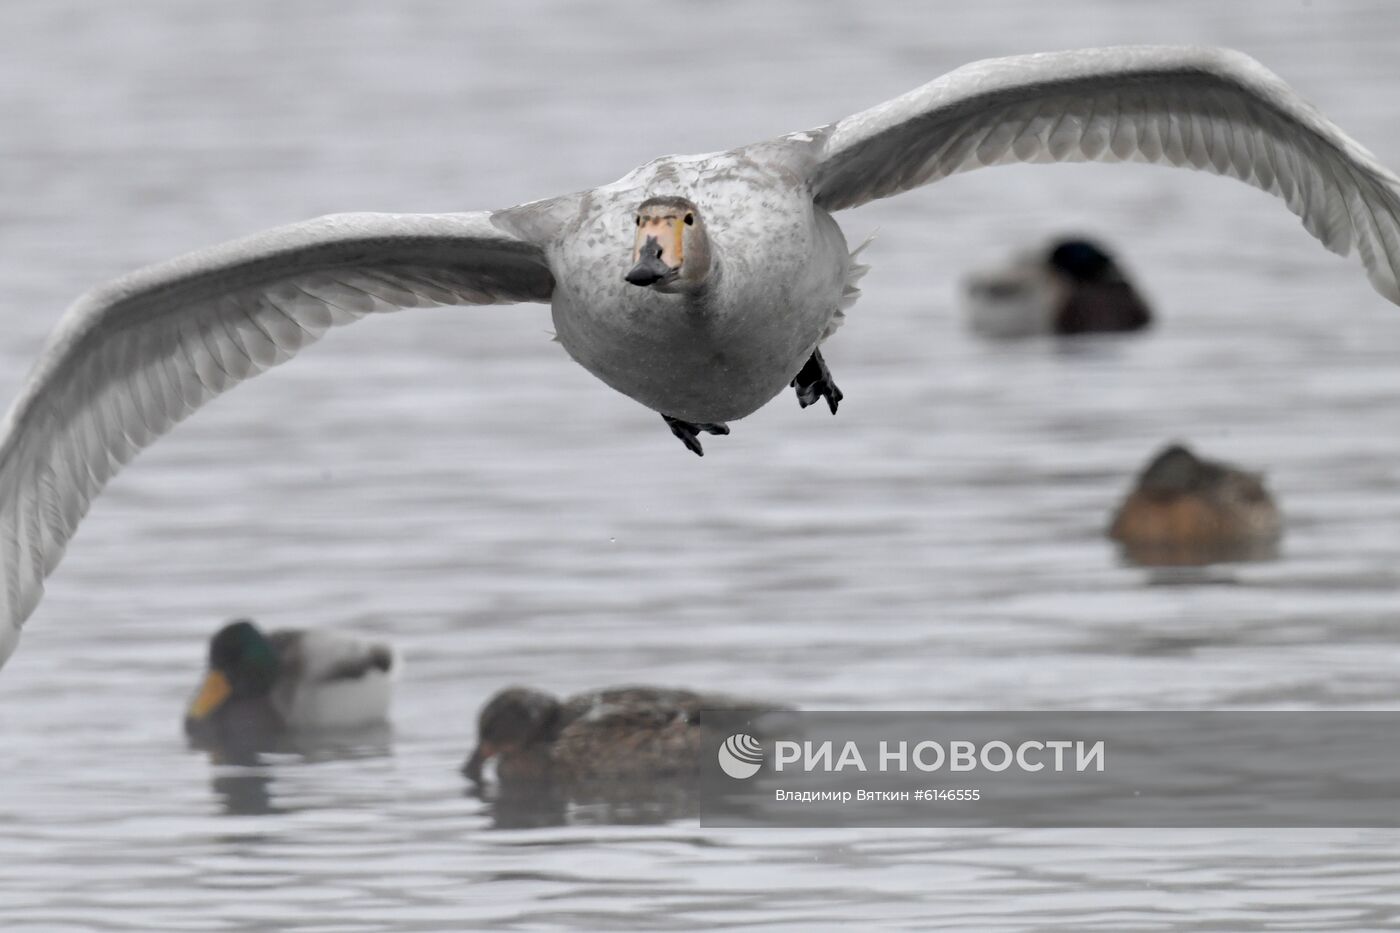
(451, 480)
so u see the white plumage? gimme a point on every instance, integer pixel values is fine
(321, 697)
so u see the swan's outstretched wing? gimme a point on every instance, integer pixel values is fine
(131, 359)
(1210, 109)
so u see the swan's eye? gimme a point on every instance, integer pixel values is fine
(639, 221)
(690, 220)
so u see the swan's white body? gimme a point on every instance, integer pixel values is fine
(782, 269)
(132, 358)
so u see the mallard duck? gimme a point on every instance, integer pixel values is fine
(1186, 509)
(614, 734)
(288, 680)
(1072, 287)
(700, 286)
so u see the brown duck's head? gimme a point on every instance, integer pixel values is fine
(516, 719)
(671, 249)
(243, 664)
(1176, 470)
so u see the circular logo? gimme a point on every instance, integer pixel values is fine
(741, 756)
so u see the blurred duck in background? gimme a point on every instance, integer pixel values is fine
(1072, 287)
(259, 687)
(1186, 510)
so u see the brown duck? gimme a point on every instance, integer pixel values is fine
(1186, 509)
(614, 734)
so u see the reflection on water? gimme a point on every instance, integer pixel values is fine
(243, 768)
(245, 792)
(1196, 555)
(621, 803)
(450, 481)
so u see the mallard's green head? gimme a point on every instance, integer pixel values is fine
(242, 664)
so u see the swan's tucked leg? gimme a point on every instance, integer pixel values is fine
(689, 432)
(813, 382)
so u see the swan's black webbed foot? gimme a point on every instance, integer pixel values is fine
(689, 432)
(813, 382)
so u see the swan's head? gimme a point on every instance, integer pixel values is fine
(671, 251)
(516, 720)
(243, 664)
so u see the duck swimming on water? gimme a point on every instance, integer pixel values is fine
(260, 685)
(1074, 286)
(700, 286)
(610, 735)
(1187, 510)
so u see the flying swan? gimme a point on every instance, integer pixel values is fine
(701, 286)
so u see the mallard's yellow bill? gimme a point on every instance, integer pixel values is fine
(212, 693)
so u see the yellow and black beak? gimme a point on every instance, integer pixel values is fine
(212, 694)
